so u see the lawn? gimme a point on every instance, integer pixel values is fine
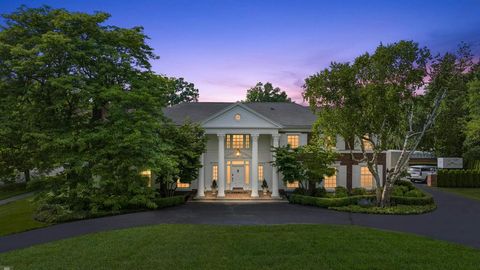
(17, 217)
(472, 193)
(245, 247)
(11, 190)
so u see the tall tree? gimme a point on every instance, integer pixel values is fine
(182, 91)
(266, 93)
(472, 142)
(83, 97)
(450, 72)
(373, 101)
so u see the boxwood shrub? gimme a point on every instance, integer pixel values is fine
(327, 202)
(458, 178)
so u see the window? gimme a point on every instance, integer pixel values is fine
(228, 141)
(366, 178)
(215, 172)
(148, 175)
(260, 173)
(182, 185)
(294, 184)
(237, 141)
(293, 140)
(330, 181)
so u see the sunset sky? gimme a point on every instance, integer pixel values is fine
(225, 47)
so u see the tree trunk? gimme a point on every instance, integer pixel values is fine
(27, 175)
(386, 194)
(311, 187)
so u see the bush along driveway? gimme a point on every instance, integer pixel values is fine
(456, 219)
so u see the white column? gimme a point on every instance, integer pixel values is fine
(201, 178)
(275, 193)
(221, 165)
(254, 178)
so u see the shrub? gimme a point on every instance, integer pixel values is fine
(414, 193)
(358, 191)
(458, 178)
(300, 191)
(320, 192)
(403, 183)
(426, 199)
(397, 210)
(341, 192)
(399, 190)
(170, 201)
(327, 202)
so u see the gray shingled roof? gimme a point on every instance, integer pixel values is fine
(289, 115)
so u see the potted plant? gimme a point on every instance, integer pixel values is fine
(214, 187)
(265, 187)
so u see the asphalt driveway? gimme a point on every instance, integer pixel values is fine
(457, 219)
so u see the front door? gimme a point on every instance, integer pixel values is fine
(237, 176)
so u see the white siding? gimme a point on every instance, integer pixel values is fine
(355, 176)
(342, 176)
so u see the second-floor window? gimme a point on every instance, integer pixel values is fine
(237, 141)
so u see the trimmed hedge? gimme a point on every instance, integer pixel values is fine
(170, 201)
(425, 200)
(327, 202)
(458, 178)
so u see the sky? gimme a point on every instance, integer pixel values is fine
(225, 47)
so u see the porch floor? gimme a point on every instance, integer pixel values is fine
(238, 195)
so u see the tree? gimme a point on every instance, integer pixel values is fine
(450, 72)
(373, 101)
(309, 163)
(182, 91)
(472, 142)
(82, 96)
(266, 93)
(187, 142)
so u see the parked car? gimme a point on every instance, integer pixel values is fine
(419, 173)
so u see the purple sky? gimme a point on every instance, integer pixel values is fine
(225, 47)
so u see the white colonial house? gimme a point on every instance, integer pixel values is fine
(240, 139)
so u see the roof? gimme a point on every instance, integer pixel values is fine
(289, 115)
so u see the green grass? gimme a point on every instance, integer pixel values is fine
(11, 190)
(472, 193)
(245, 247)
(17, 217)
(394, 210)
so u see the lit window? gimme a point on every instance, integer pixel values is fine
(182, 185)
(294, 184)
(366, 178)
(260, 173)
(228, 141)
(247, 141)
(367, 145)
(247, 172)
(330, 181)
(148, 174)
(237, 141)
(215, 172)
(293, 141)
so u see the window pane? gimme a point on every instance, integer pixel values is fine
(293, 140)
(330, 181)
(215, 172)
(260, 173)
(228, 139)
(247, 141)
(367, 145)
(237, 141)
(366, 178)
(182, 185)
(293, 184)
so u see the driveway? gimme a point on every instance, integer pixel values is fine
(457, 219)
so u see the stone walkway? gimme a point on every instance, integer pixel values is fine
(457, 219)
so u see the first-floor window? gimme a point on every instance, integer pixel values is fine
(182, 185)
(260, 173)
(293, 141)
(148, 175)
(215, 172)
(330, 181)
(294, 184)
(366, 178)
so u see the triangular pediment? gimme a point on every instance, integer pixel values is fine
(239, 116)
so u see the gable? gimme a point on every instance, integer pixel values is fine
(248, 119)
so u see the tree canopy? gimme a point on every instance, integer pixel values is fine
(266, 93)
(182, 91)
(80, 95)
(373, 101)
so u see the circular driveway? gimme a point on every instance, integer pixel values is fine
(457, 219)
